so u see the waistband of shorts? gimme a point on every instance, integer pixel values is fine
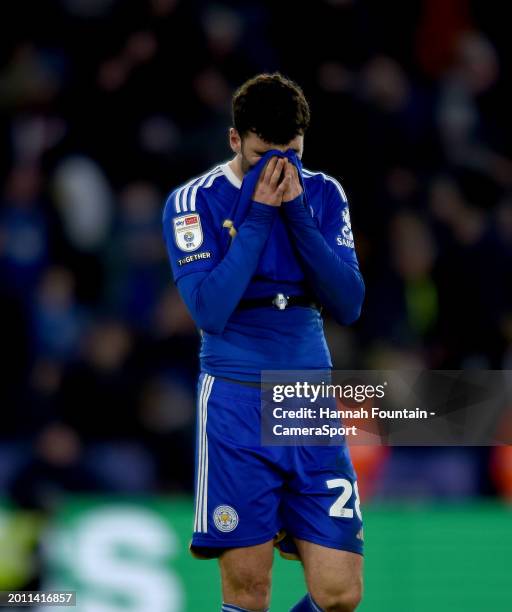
(231, 386)
(245, 383)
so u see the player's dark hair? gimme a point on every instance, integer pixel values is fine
(271, 106)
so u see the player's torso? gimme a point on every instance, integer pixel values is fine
(264, 337)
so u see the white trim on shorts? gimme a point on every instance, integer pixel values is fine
(201, 501)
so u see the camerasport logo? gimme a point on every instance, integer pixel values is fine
(188, 233)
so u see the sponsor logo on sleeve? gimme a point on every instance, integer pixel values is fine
(345, 238)
(188, 233)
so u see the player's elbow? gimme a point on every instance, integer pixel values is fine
(350, 316)
(205, 319)
(350, 312)
(205, 315)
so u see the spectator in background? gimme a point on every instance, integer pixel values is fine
(24, 249)
(84, 204)
(98, 398)
(135, 255)
(169, 366)
(54, 469)
(58, 322)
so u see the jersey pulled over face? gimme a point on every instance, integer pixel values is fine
(251, 148)
(260, 338)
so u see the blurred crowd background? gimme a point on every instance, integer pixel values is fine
(106, 106)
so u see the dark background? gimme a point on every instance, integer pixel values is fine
(105, 106)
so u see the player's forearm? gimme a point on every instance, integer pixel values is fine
(338, 283)
(211, 297)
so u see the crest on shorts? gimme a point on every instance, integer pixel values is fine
(225, 518)
(188, 233)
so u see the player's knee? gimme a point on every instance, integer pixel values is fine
(339, 599)
(251, 592)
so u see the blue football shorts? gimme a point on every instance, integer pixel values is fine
(247, 493)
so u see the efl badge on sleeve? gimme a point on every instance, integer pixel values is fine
(188, 233)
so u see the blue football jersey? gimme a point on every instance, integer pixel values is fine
(261, 338)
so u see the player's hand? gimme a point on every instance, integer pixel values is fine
(271, 184)
(293, 187)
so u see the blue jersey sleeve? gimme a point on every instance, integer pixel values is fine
(191, 238)
(336, 226)
(327, 253)
(210, 281)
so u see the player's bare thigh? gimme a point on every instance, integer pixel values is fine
(246, 575)
(334, 577)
